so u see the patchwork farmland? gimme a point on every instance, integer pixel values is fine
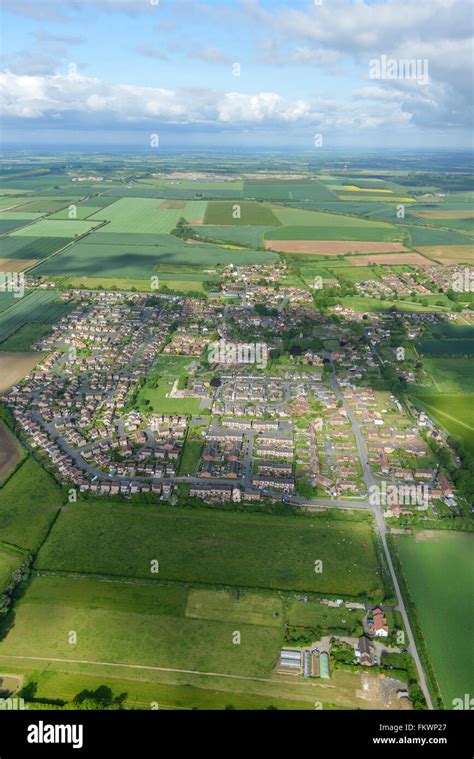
(236, 479)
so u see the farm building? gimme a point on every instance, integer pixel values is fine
(365, 651)
(290, 659)
(324, 665)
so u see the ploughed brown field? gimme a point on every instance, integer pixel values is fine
(449, 254)
(393, 259)
(173, 204)
(10, 451)
(16, 264)
(14, 366)
(333, 247)
(440, 214)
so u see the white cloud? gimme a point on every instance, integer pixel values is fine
(77, 98)
(210, 55)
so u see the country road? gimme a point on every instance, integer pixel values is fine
(371, 484)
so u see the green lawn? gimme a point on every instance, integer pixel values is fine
(314, 614)
(215, 547)
(28, 504)
(190, 458)
(161, 404)
(440, 575)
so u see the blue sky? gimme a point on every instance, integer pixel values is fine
(116, 71)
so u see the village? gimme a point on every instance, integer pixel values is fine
(278, 432)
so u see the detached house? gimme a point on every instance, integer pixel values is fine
(377, 624)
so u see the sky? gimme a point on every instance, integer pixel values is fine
(301, 74)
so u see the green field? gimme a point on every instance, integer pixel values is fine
(165, 370)
(315, 614)
(356, 233)
(356, 273)
(8, 225)
(236, 549)
(439, 574)
(28, 504)
(148, 625)
(446, 347)
(80, 213)
(274, 189)
(10, 560)
(139, 262)
(190, 458)
(18, 216)
(46, 228)
(44, 205)
(455, 413)
(248, 213)
(362, 304)
(26, 336)
(31, 248)
(450, 375)
(236, 235)
(37, 307)
(160, 403)
(143, 689)
(294, 217)
(146, 216)
(428, 236)
(6, 300)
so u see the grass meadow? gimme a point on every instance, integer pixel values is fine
(146, 625)
(215, 547)
(29, 502)
(439, 573)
